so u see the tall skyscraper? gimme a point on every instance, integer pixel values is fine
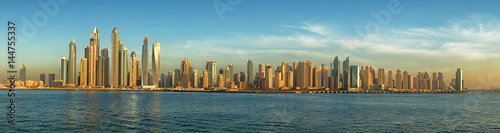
(123, 80)
(309, 74)
(185, 74)
(194, 79)
(72, 63)
(63, 70)
(345, 83)
(144, 61)
(336, 73)
(269, 77)
(105, 67)
(381, 77)
(354, 74)
(284, 76)
(324, 76)
(100, 78)
(317, 76)
(231, 72)
(92, 61)
(97, 40)
(249, 71)
(115, 53)
(83, 72)
(133, 70)
(458, 80)
(42, 78)
(205, 79)
(22, 73)
(156, 63)
(399, 79)
(212, 73)
(390, 80)
(177, 77)
(410, 82)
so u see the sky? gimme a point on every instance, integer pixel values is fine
(411, 35)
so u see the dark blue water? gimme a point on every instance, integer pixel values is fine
(146, 111)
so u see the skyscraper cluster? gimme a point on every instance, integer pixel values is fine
(126, 70)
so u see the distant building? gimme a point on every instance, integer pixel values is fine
(52, 77)
(156, 63)
(458, 80)
(42, 78)
(63, 71)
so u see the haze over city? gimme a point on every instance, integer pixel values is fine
(417, 38)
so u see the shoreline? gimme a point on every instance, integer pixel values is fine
(249, 91)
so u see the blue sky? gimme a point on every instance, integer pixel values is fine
(435, 36)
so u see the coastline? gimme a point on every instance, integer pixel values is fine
(248, 91)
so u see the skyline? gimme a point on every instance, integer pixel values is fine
(442, 46)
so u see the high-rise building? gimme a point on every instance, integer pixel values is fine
(295, 69)
(309, 74)
(63, 70)
(249, 71)
(262, 75)
(324, 76)
(22, 73)
(194, 79)
(381, 76)
(92, 60)
(145, 61)
(390, 80)
(345, 83)
(317, 76)
(123, 80)
(105, 67)
(410, 81)
(301, 75)
(83, 72)
(336, 73)
(205, 79)
(284, 76)
(354, 74)
(458, 80)
(269, 77)
(231, 72)
(399, 79)
(97, 41)
(405, 80)
(42, 78)
(52, 77)
(170, 79)
(133, 70)
(435, 83)
(72, 63)
(212, 73)
(278, 81)
(185, 74)
(115, 57)
(100, 63)
(177, 77)
(156, 63)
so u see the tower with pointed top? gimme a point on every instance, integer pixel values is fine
(156, 63)
(92, 61)
(144, 61)
(115, 52)
(249, 71)
(72, 62)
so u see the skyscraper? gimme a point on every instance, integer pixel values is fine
(123, 80)
(390, 80)
(399, 79)
(212, 73)
(336, 73)
(441, 81)
(42, 78)
(317, 76)
(205, 79)
(185, 74)
(105, 67)
(72, 63)
(22, 73)
(144, 61)
(100, 63)
(194, 79)
(381, 76)
(284, 76)
(177, 77)
(97, 41)
(133, 70)
(63, 70)
(269, 77)
(324, 76)
(52, 77)
(345, 83)
(405, 80)
(354, 74)
(249, 71)
(156, 63)
(309, 73)
(115, 53)
(83, 72)
(92, 61)
(458, 80)
(231, 72)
